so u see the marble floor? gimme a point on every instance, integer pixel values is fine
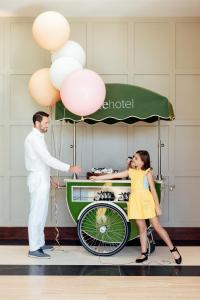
(77, 255)
(75, 260)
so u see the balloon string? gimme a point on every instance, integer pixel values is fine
(54, 199)
(50, 111)
(53, 191)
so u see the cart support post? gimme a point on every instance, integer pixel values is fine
(74, 176)
(159, 176)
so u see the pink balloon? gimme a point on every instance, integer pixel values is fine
(83, 92)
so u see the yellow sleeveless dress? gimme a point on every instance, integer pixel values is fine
(141, 204)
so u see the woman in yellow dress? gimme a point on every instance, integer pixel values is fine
(143, 202)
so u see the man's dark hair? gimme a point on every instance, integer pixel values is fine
(38, 116)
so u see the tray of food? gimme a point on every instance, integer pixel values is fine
(100, 171)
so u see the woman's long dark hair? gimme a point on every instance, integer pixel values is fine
(145, 157)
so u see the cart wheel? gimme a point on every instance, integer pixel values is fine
(103, 229)
(151, 242)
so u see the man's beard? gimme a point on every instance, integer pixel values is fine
(43, 130)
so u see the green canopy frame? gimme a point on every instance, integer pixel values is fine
(124, 103)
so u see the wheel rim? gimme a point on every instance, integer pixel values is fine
(103, 229)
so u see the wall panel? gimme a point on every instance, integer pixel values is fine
(187, 46)
(25, 55)
(187, 97)
(110, 48)
(151, 46)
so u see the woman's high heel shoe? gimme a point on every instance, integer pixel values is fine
(177, 260)
(140, 260)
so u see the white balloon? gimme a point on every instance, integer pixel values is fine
(71, 49)
(62, 67)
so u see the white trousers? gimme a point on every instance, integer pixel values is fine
(39, 187)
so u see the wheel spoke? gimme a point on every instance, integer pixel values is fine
(103, 229)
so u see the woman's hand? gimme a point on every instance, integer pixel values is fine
(158, 210)
(93, 177)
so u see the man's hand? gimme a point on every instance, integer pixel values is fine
(54, 183)
(75, 169)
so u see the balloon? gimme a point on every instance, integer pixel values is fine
(72, 49)
(41, 88)
(83, 92)
(51, 30)
(62, 67)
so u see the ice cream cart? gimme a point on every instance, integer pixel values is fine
(100, 208)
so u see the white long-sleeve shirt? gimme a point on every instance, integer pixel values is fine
(37, 156)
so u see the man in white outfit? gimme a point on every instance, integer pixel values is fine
(38, 162)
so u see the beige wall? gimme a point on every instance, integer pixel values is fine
(162, 54)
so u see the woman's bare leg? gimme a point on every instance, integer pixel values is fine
(163, 234)
(143, 235)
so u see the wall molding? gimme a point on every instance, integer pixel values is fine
(70, 234)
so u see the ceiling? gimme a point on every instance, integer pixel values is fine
(102, 8)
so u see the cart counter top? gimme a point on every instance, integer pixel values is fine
(88, 180)
(107, 180)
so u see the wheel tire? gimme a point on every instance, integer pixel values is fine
(91, 232)
(152, 247)
(151, 242)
